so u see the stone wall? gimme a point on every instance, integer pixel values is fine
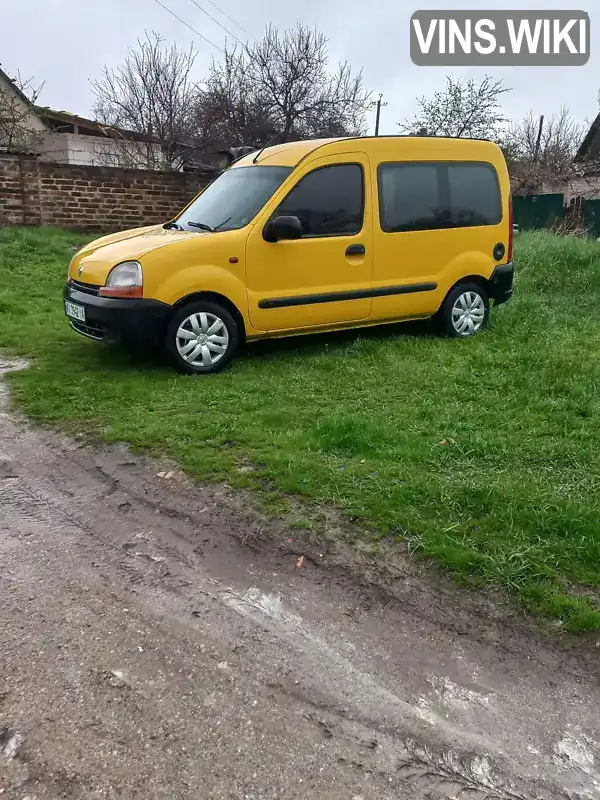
(86, 198)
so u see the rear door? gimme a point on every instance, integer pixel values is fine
(438, 221)
(324, 278)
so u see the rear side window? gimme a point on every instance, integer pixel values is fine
(430, 195)
(328, 201)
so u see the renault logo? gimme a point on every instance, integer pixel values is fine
(80, 271)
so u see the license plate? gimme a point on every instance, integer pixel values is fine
(75, 311)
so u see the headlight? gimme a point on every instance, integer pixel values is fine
(129, 273)
(124, 280)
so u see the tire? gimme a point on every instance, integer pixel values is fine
(192, 325)
(465, 311)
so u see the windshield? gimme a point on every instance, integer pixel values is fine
(233, 199)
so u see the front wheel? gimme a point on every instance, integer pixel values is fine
(202, 337)
(465, 311)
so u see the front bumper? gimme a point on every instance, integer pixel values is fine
(501, 283)
(111, 319)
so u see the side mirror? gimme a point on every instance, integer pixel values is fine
(285, 227)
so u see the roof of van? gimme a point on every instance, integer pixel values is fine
(291, 153)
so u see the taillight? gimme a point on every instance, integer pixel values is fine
(511, 230)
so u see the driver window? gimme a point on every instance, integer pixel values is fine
(328, 201)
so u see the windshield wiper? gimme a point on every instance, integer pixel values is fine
(204, 227)
(201, 225)
(168, 226)
(220, 225)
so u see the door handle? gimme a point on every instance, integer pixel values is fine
(355, 250)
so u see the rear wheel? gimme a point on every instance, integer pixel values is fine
(202, 337)
(465, 311)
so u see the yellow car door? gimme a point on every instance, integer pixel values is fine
(438, 222)
(325, 277)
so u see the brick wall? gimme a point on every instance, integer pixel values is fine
(95, 199)
(19, 200)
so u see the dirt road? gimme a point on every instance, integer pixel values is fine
(159, 640)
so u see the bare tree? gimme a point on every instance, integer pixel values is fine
(281, 89)
(560, 138)
(464, 108)
(17, 130)
(230, 112)
(549, 161)
(292, 77)
(152, 94)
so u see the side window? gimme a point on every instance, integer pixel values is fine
(409, 198)
(474, 195)
(433, 195)
(328, 201)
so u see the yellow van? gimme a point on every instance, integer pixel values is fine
(308, 236)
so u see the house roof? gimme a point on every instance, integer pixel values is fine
(56, 120)
(16, 89)
(590, 146)
(53, 116)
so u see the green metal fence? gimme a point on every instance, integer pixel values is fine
(538, 210)
(535, 211)
(591, 217)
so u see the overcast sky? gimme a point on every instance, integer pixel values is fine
(67, 42)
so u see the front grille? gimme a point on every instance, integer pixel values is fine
(86, 288)
(87, 330)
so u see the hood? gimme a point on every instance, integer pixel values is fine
(94, 261)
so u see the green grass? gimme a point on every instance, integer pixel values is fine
(355, 420)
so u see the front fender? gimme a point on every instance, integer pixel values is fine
(205, 278)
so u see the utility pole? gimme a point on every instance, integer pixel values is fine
(539, 139)
(379, 104)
